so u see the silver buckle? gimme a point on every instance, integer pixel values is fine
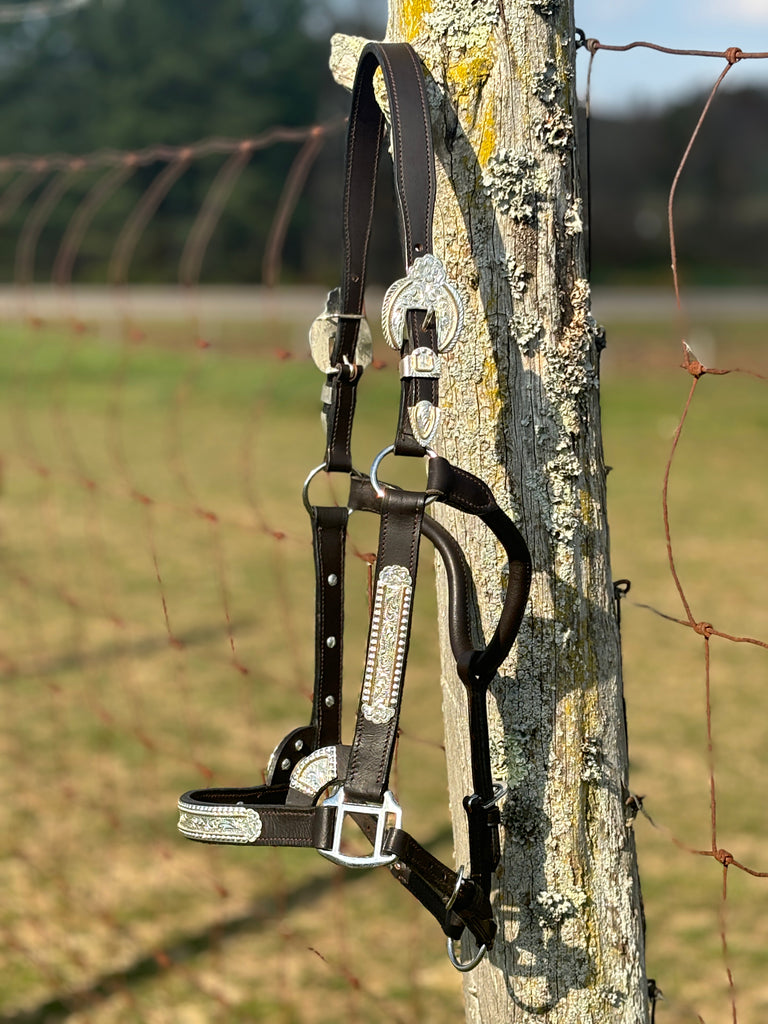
(322, 334)
(425, 286)
(389, 807)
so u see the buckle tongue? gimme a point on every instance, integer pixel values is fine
(388, 808)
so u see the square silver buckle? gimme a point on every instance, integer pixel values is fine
(389, 807)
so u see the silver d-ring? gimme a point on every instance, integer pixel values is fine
(374, 478)
(470, 964)
(380, 492)
(305, 490)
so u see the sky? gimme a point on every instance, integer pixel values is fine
(641, 78)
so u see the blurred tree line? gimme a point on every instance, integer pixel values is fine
(126, 74)
(721, 204)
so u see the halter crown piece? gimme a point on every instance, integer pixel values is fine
(316, 783)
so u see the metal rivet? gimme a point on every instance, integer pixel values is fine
(285, 764)
(333, 579)
(298, 745)
(331, 641)
(330, 701)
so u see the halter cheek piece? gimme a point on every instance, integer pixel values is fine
(422, 317)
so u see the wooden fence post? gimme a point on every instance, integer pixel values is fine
(520, 402)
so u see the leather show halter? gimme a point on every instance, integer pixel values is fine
(316, 783)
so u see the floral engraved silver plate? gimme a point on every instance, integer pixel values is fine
(425, 286)
(217, 823)
(386, 649)
(315, 771)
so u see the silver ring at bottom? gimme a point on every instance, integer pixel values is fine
(470, 964)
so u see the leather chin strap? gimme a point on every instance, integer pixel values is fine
(315, 782)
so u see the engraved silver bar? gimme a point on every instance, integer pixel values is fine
(386, 647)
(219, 823)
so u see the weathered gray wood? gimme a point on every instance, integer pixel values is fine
(519, 396)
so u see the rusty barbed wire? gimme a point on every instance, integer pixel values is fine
(705, 630)
(733, 54)
(162, 153)
(289, 197)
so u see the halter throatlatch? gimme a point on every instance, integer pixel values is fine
(316, 784)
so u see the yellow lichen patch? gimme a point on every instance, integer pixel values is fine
(585, 500)
(490, 389)
(412, 16)
(487, 144)
(469, 74)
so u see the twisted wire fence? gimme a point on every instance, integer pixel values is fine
(157, 611)
(705, 630)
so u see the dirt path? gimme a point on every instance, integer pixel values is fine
(226, 304)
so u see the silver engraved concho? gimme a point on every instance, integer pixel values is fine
(425, 286)
(322, 335)
(386, 649)
(216, 823)
(424, 418)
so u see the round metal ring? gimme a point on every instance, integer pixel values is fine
(374, 467)
(470, 964)
(374, 477)
(305, 490)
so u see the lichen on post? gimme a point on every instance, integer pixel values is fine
(520, 408)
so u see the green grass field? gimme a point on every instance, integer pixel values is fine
(155, 635)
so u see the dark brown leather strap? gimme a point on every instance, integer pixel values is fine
(415, 191)
(470, 494)
(455, 902)
(460, 489)
(251, 817)
(387, 651)
(329, 531)
(226, 815)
